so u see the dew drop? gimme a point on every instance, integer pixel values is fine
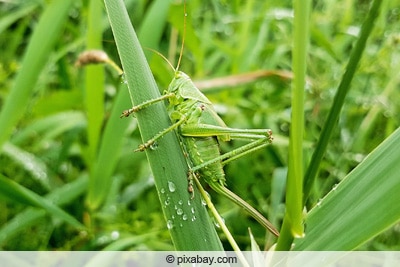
(171, 187)
(184, 217)
(179, 211)
(167, 202)
(154, 146)
(203, 202)
(123, 80)
(192, 210)
(181, 225)
(170, 224)
(189, 202)
(334, 187)
(193, 218)
(180, 202)
(162, 190)
(217, 223)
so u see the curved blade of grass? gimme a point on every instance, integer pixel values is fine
(36, 54)
(15, 192)
(50, 127)
(187, 219)
(338, 102)
(30, 163)
(21, 12)
(110, 147)
(31, 216)
(111, 141)
(153, 24)
(363, 205)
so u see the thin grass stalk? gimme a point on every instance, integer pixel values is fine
(340, 96)
(94, 81)
(293, 220)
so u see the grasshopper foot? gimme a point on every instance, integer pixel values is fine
(128, 112)
(149, 144)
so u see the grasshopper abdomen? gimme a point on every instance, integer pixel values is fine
(202, 150)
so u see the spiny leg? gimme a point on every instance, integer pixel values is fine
(134, 109)
(206, 130)
(151, 141)
(236, 153)
(180, 117)
(221, 189)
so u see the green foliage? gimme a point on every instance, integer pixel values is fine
(66, 156)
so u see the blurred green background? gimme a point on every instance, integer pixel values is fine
(54, 130)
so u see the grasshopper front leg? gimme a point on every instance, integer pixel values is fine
(151, 141)
(134, 109)
(178, 118)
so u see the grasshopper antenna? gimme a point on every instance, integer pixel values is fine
(184, 35)
(162, 56)
(183, 44)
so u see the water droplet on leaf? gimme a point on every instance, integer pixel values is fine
(171, 187)
(154, 146)
(179, 211)
(170, 224)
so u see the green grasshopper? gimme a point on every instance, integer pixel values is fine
(200, 129)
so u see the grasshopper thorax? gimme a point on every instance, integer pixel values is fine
(183, 87)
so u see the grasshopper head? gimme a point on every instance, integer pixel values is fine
(183, 87)
(179, 81)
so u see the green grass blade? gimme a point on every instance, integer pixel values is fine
(340, 96)
(363, 205)
(31, 216)
(42, 40)
(110, 148)
(111, 141)
(12, 17)
(293, 220)
(15, 192)
(187, 219)
(153, 24)
(94, 81)
(295, 171)
(30, 163)
(50, 127)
